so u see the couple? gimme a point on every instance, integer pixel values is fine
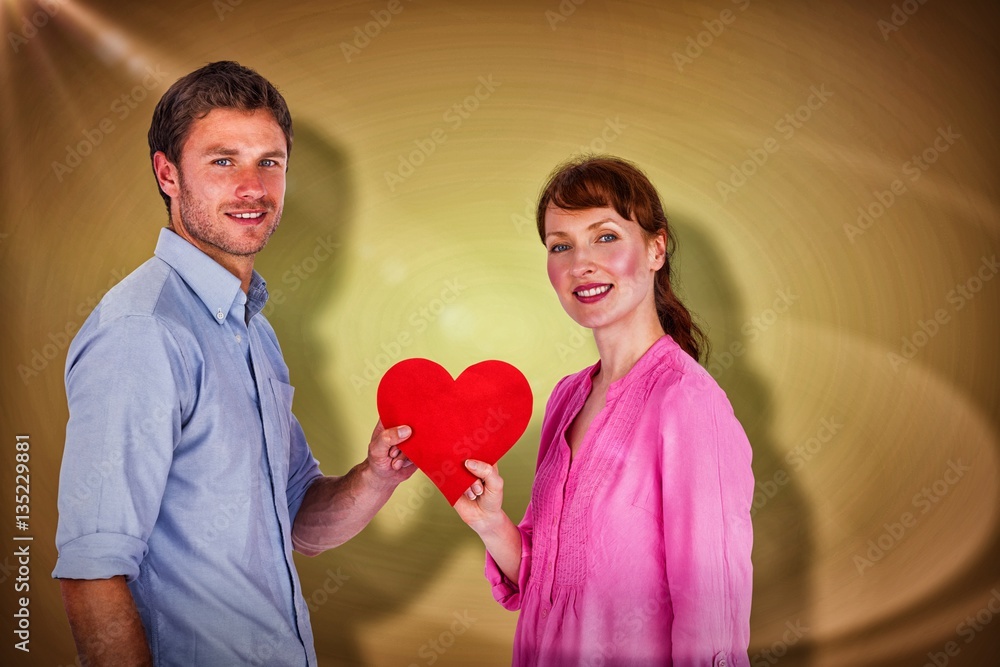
(187, 482)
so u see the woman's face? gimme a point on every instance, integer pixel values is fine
(602, 266)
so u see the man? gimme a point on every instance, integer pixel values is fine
(186, 480)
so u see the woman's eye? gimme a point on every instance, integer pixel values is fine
(605, 238)
(559, 247)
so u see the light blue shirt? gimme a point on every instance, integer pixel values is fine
(184, 465)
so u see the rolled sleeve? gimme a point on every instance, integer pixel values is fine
(122, 388)
(100, 556)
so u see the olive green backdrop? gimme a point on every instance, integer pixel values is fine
(830, 168)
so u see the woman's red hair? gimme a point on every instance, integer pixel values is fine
(605, 181)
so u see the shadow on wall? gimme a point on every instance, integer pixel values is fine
(379, 573)
(783, 549)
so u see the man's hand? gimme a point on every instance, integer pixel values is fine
(335, 509)
(388, 464)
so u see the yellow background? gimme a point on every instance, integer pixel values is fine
(808, 308)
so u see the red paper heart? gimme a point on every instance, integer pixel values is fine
(478, 416)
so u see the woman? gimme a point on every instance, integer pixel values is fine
(635, 547)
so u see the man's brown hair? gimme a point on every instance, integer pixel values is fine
(220, 85)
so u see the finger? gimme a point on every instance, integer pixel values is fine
(391, 437)
(481, 469)
(401, 433)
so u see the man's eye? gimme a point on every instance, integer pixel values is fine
(222, 162)
(268, 163)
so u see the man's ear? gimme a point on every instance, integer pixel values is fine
(167, 174)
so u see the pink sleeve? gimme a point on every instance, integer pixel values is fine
(707, 493)
(507, 592)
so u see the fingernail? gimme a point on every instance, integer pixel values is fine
(404, 431)
(470, 465)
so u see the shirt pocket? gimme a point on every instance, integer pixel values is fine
(277, 408)
(648, 493)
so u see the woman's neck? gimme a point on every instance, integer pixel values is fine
(622, 346)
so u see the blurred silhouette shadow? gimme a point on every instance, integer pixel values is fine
(380, 573)
(783, 549)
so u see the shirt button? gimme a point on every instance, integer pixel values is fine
(239, 338)
(220, 315)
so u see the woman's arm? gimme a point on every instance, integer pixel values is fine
(481, 508)
(707, 493)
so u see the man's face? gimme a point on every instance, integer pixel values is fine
(231, 181)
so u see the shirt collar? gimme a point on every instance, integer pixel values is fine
(217, 288)
(649, 360)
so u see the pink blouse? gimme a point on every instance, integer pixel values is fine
(639, 552)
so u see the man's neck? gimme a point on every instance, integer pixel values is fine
(240, 266)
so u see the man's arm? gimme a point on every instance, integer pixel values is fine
(335, 509)
(105, 622)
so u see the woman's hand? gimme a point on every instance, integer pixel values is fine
(481, 505)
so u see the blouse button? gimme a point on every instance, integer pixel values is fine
(545, 613)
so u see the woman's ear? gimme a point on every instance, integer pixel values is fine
(658, 251)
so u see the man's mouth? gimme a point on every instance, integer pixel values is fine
(247, 217)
